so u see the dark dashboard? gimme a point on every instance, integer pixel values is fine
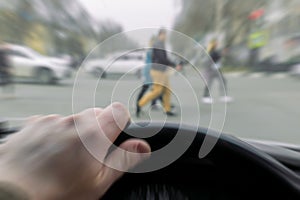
(234, 169)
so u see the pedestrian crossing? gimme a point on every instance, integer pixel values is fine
(257, 75)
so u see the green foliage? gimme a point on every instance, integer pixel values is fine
(67, 27)
(199, 17)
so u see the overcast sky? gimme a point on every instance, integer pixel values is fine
(134, 14)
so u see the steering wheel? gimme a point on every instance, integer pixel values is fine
(232, 170)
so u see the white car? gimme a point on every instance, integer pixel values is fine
(26, 63)
(130, 63)
(295, 70)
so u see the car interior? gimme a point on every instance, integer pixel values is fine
(226, 65)
(234, 169)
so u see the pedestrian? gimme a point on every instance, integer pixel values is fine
(147, 80)
(6, 78)
(159, 75)
(213, 72)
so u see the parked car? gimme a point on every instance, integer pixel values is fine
(295, 71)
(27, 63)
(131, 63)
(271, 65)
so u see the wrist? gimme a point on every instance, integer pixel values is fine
(13, 183)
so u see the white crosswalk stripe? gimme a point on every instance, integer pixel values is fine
(257, 75)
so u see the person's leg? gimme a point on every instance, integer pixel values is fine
(224, 89)
(206, 91)
(6, 84)
(155, 92)
(209, 78)
(9, 86)
(144, 89)
(2, 81)
(223, 84)
(208, 82)
(154, 101)
(167, 96)
(160, 98)
(157, 88)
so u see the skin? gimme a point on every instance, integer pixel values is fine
(162, 37)
(47, 159)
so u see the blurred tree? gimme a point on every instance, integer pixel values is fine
(8, 27)
(230, 17)
(16, 19)
(55, 27)
(109, 28)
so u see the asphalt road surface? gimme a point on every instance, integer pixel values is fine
(264, 107)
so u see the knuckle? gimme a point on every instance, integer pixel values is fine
(50, 118)
(118, 106)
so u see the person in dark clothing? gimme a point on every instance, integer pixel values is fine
(213, 72)
(6, 78)
(160, 77)
(147, 80)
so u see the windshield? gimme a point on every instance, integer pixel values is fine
(230, 65)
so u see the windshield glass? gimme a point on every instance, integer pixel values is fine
(230, 65)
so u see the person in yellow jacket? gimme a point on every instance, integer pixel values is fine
(160, 76)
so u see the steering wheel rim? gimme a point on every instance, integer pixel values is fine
(226, 143)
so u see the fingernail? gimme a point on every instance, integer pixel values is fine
(143, 148)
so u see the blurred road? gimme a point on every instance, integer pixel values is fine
(265, 107)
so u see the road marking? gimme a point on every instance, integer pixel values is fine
(235, 74)
(256, 75)
(279, 76)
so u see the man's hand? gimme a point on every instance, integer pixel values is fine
(48, 158)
